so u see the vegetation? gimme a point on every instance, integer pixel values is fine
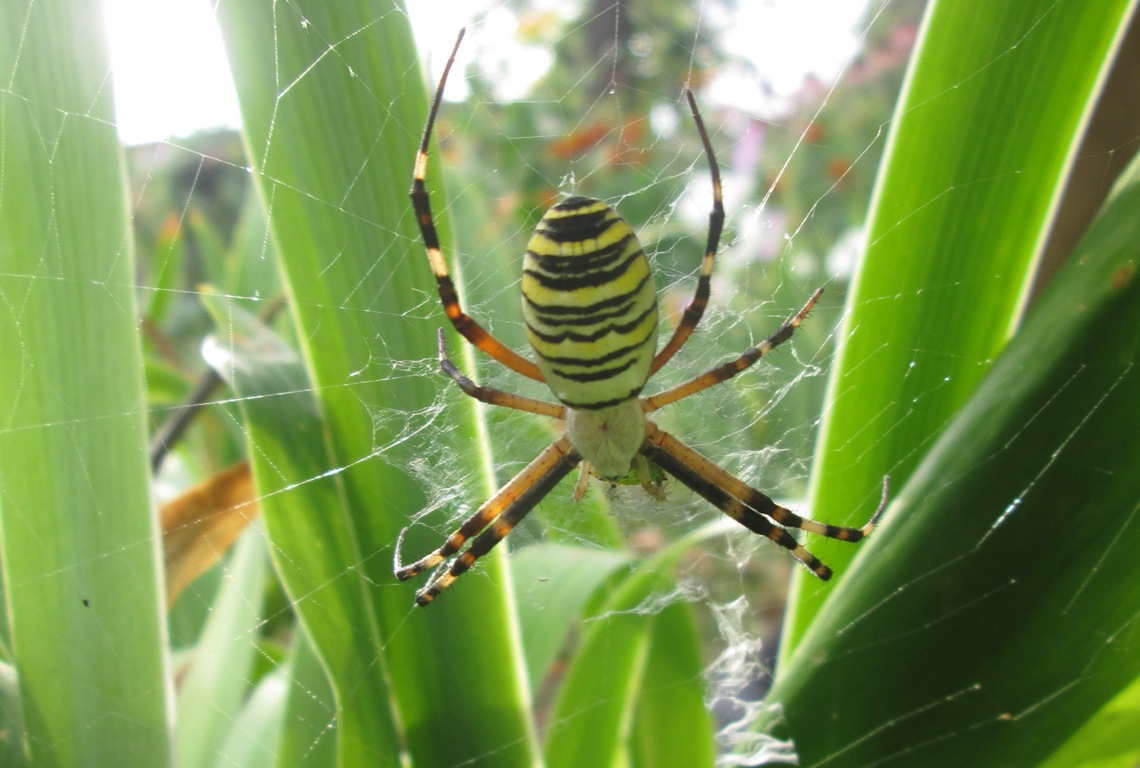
(991, 616)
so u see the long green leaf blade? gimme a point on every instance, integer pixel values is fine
(306, 519)
(982, 139)
(210, 695)
(80, 539)
(995, 612)
(603, 715)
(333, 105)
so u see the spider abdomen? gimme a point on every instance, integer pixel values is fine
(590, 305)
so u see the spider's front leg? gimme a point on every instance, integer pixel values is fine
(727, 370)
(696, 307)
(421, 203)
(496, 518)
(493, 396)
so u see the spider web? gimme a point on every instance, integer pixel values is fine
(549, 100)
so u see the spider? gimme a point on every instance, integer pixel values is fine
(591, 314)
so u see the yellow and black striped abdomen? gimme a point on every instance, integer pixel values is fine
(590, 304)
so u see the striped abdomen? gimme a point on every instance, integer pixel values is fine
(590, 304)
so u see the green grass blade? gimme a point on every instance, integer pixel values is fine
(81, 547)
(1108, 739)
(333, 106)
(606, 713)
(305, 737)
(12, 752)
(672, 725)
(555, 581)
(258, 728)
(994, 612)
(210, 695)
(307, 521)
(980, 147)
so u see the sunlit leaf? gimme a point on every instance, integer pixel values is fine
(80, 541)
(992, 614)
(980, 146)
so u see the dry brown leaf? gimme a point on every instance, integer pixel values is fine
(200, 525)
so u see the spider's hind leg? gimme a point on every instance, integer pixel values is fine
(744, 504)
(496, 518)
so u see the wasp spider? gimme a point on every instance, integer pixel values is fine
(591, 314)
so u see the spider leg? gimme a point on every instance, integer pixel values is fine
(733, 367)
(496, 518)
(496, 396)
(463, 323)
(741, 502)
(646, 480)
(696, 307)
(583, 483)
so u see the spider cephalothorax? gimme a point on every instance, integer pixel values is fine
(590, 307)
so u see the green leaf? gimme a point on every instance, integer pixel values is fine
(996, 98)
(333, 105)
(258, 728)
(1107, 740)
(992, 615)
(80, 538)
(555, 581)
(307, 721)
(608, 711)
(307, 521)
(672, 726)
(212, 691)
(976, 626)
